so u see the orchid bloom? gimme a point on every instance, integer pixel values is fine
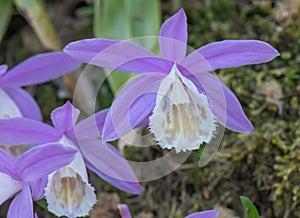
(18, 177)
(179, 94)
(15, 102)
(68, 191)
(125, 213)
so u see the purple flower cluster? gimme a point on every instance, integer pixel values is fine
(176, 95)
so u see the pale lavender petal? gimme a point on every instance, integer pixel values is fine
(40, 68)
(42, 160)
(236, 53)
(21, 206)
(7, 165)
(3, 69)
(110, 165)
(64, 117)
(26, 104)
(204, 214)
(173, 37)
(116, 54)
(90, 128)
(225, 105)
(124, 211)
(38, 188)
(18, 131)
(9, 187)
(135, 101)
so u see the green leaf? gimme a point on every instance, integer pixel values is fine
(145, 20)
(126, 19)
(34, 11)
(251, 210)
(5, 16)
(42, 203)
(112, 21)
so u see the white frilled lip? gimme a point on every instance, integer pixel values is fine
(74, 176)
(9, 187)
(8, 108)
(182, 118)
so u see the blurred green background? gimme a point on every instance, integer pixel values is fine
(264, 166)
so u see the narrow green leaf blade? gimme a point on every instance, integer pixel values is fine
(42, 203)
(112, 21)
(5, 16)
(145, 19)
(251, 210)
(34, 11)
(126, 19)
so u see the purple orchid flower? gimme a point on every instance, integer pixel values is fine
(125, 213)
(15, 102)
(100, 157)
(176, 95)
(18, 177)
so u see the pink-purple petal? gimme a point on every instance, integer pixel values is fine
(18, 131)
(42, 160)
(204, 214)
(25, 102)
(135, 102)
(109, 164)
(21, 206)
(225, 105)
(64, 117)
(40, 68)
(124, 211)
(236, 53)
(113, 54)
(173, 37)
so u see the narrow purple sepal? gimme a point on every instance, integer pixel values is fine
(236, 53)
(21, 206)
(18, 131)
(25, 102)
(111, 54)
(64, 117)
(40, 68)
(173, 37)
(42, 160)
(204, 214)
